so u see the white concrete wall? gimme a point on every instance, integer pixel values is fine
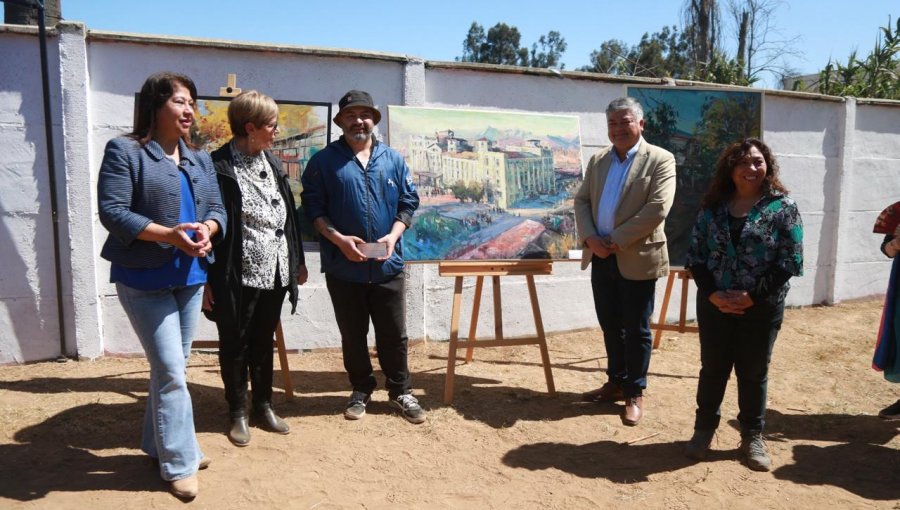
(839, 159)
(869, 187)
(28, 305)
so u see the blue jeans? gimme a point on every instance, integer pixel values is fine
(164, 321)
(623, 309)
(744, 343)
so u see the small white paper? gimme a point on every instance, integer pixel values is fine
(373, 250)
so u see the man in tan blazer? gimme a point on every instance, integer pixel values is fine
(620, 211)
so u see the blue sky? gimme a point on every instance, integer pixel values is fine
(435, 30)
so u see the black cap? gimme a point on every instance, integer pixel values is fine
(359, 98)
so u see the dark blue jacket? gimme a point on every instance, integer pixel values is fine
(362, 202)
(138, 185)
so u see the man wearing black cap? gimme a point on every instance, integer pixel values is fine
(359, 195)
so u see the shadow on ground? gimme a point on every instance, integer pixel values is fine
(616, 462)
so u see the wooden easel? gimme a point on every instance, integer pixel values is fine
(685, 276)
(495, 270)
(282, 357)
(232, 90)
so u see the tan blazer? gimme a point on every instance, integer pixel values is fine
(646, 198)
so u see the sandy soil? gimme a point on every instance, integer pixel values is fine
(70, 433)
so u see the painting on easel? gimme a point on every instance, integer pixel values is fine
(695, 125)
(303, 129)
(493, 185)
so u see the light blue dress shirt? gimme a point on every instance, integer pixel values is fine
(612, 190)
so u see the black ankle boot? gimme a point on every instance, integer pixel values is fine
(270, 421)
(239, 434)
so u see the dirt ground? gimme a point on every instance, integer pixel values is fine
(70, 433)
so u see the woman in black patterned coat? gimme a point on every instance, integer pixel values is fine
(259, 261)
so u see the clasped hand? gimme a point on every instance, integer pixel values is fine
(731, 301)
(601, 246)
(200, 246)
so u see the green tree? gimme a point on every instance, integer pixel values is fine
(472, 46)
(552, 46)
(661, 54)
(702, 20)
(611, 58)
(476, 191)
(459, 191)
(874, 76)
(696, 52)
(501, 45)
(661, 122)
(723, 121)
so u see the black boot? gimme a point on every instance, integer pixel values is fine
(270, 421)
(239, 434)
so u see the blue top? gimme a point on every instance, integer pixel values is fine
(360, 201)
(612, 190)
(181, 270)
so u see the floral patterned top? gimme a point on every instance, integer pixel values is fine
(263, 215)
(772, 236)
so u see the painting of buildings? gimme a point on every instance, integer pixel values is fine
(493, 185)
(303, 130)
(695, 125)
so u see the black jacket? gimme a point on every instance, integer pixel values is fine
(225, 278)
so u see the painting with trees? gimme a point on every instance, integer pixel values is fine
(695, 125)
(493, 185)
(304, 128)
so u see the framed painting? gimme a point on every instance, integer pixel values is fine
(695, 125)
(493, 185)
(304, 128)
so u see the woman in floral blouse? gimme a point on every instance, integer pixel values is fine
(259, 260)
(746, 244)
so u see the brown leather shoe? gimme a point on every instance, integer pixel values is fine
(186, 488)
(634, 411)
(609, 392)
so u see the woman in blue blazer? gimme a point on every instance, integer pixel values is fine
(160, 202)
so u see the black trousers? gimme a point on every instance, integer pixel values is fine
(743, 342)
(385, 304)
(245, 347)
(623, 309)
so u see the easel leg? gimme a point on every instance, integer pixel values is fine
(682, 319)
(454, 340)
(473, 325)
(283, 361)
(665, 308)
(542, 339)
(498, 309)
